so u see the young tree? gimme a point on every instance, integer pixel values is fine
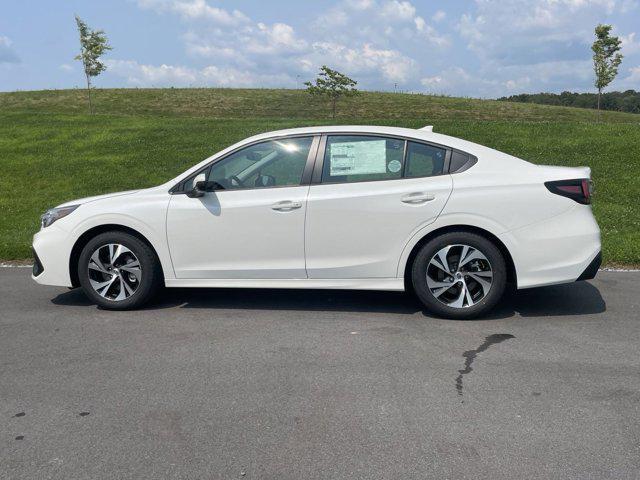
(333, 85)
(606, 58)
(93, 43)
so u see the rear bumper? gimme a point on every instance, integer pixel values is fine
(592, 269)
(561, 249)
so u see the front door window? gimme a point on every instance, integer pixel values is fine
(275, 163)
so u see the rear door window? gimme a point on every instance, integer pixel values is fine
(361, 158)
(424, 160)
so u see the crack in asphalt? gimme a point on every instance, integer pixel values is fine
(470, 355)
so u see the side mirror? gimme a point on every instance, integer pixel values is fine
(201, 187)
(194, 192)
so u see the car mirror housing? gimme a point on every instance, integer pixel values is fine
(202, 187)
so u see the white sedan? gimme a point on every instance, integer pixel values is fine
(348, 207)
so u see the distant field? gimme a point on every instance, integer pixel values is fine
(52, 151)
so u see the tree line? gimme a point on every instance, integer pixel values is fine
(627, 101)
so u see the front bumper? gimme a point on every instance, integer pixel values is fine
(37, 264)
(52, 250)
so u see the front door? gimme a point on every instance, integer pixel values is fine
(253, 225)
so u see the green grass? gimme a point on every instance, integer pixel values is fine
(52, 151)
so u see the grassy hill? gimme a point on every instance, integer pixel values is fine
(293, 104)
(52, 151)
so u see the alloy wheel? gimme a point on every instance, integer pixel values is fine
(114, 272)
(459, 276)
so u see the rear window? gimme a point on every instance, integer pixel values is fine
(461, 161)
(424, 160)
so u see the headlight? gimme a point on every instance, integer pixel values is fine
(54, 214)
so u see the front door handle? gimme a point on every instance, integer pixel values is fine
(286, 206)
(417, 198)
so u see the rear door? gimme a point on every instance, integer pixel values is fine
(369, 195)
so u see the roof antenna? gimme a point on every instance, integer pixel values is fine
(428, 128)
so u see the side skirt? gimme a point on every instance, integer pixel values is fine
(390, 284)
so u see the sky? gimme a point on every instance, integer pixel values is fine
(475, 48)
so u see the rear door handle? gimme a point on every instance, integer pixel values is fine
(286, 206)
(417, 198)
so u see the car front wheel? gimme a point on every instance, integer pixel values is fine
(118, 271)
(459, 275)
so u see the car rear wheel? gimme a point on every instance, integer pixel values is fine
(118, 271)
(459, 275)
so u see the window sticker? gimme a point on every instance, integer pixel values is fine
(358, 158)
(394, 166)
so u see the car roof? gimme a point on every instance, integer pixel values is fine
(425, 134)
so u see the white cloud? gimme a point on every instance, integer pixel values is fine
(630, 45)
(517, 84)
(457, 80)
(388, 23)
(526, 31)
(209, 50)
(392, 65)
(431, 34)
(200, 9)
(439, 16)
(174, 75)
(553, 75)
(7, 54)
(65, 67)
(143, 75)
(449, 80)
(432, 82)
(257, 47)
(629, 81)
(333, 18)
(196, 10)
(626, 6)
(398, 10)
(634, 75)
(274, 39)
(360, 4)
(507, 80)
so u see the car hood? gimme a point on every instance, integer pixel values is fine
(81, 201)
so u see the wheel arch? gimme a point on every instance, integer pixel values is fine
(97, 230)
(511, 269)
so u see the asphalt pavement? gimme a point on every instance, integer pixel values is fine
(284, 384)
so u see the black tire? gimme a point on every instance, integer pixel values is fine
(478, 242)
(151, 271)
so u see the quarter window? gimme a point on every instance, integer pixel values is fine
(275, 163)
(358, 158)
(423, 160)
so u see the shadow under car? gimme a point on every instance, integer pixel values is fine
(577, 298)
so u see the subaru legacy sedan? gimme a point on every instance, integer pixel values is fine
(348, 207)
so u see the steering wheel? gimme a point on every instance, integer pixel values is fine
(239, 183)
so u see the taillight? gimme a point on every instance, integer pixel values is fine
(579, 189)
